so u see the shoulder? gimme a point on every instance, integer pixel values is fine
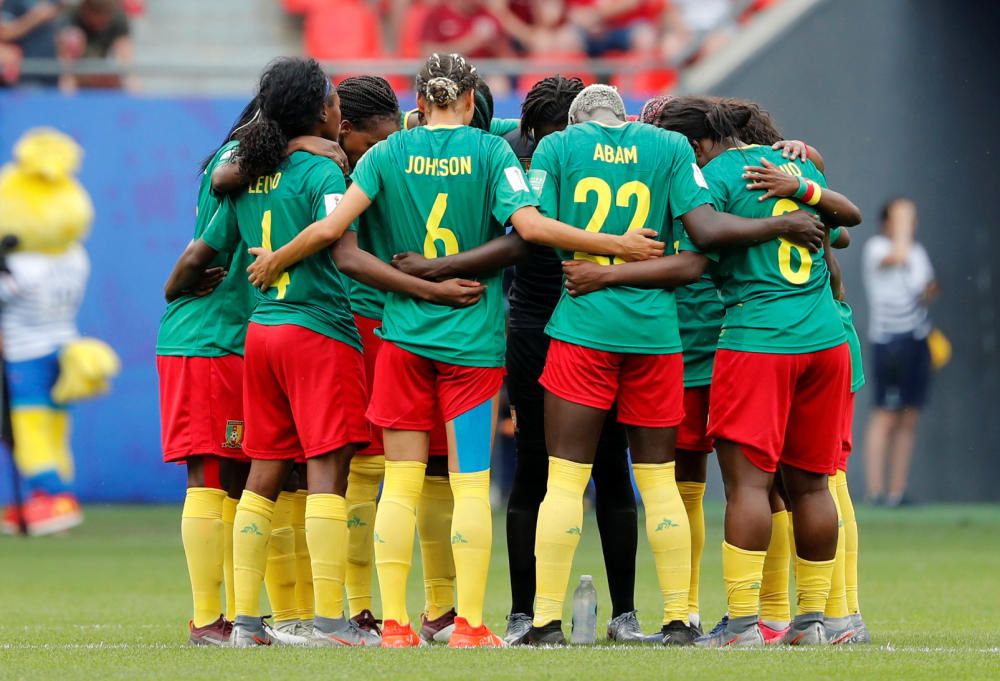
(315, 170)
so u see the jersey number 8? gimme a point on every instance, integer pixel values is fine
(795, 276)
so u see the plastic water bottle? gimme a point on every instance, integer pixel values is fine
(585, 612)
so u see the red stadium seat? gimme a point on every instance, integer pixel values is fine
(342, 29)
(646, 83)
(410, 30)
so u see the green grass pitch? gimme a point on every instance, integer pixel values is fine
(111, 601)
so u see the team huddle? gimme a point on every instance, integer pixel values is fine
(674, 293)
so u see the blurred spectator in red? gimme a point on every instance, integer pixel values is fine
(28, 29)
(539, 27)
(616, 26)
(98, 29)
(469, 28)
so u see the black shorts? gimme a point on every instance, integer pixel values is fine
(902, 372)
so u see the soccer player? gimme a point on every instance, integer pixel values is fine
(586, 342)
(301, 343)
(482, 116)
(370, 113)
(201, 402)
(782, 328)
(535, 290)
(435, 358)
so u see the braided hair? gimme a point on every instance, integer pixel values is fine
(547, 103)
(444, 78)
(652, 109)
(291, 96)
(366, 99)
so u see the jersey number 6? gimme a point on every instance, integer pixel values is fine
(435, 232)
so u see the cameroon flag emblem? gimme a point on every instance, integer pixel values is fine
(234, 435)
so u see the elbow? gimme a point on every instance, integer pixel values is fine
(703, 239)
(347, 262)
(851, 218)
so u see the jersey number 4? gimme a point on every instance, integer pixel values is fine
(284, 280)
(788, 271)
(435, 232)
(622, 198)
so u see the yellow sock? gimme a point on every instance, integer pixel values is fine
(228, 516)
(774, 603)
(669, 535)
(61, 439)
(279, 577)
(560, 522)
(251, 530)
(303, 563)
(850, 543)
(434, 519)
(471, 541)
(362, 490)
(395, 522)
(202, 536)
(693, 496)
(742, 572)
(326, 531)
(35, 451)
(836, 604)
(812, 584)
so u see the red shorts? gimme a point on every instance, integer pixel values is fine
(847, 435)
(305, 393)
(372, 344)
(416, 393)
(649, 389)
(780, 408)
(692, 435)
(201, 406)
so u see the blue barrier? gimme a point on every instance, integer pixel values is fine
(141, 169)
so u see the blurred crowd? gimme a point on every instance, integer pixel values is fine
(652, 37)
(658, 34)
(63, 33)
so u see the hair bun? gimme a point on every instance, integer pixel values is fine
(441, 91)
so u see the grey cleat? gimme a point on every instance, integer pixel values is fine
(677, 633)
(304, 628)
(625, 629)
(839, 629)
(518, 626)
(548, 635)
(806, 630)
(738, 632)
(342, 632)
(285, 634)
(861, 635)
(249, 632)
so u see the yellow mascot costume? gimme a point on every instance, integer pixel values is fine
(48, 366)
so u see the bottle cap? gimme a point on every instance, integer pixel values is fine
(586, 578)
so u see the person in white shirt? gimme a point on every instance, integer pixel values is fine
(900, 284)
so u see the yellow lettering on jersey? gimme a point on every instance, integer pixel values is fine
(264, 184)
(441, 167)
(619, 155)
(791, 169)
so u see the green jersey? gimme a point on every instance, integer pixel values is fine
(448, 189)
(271, 212)
(216, 324)
(498, 126)
(615, 179)
(700, 312)
(373, 237)
(853, 344)
(776, 293)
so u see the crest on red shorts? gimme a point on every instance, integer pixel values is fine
(234, 435)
